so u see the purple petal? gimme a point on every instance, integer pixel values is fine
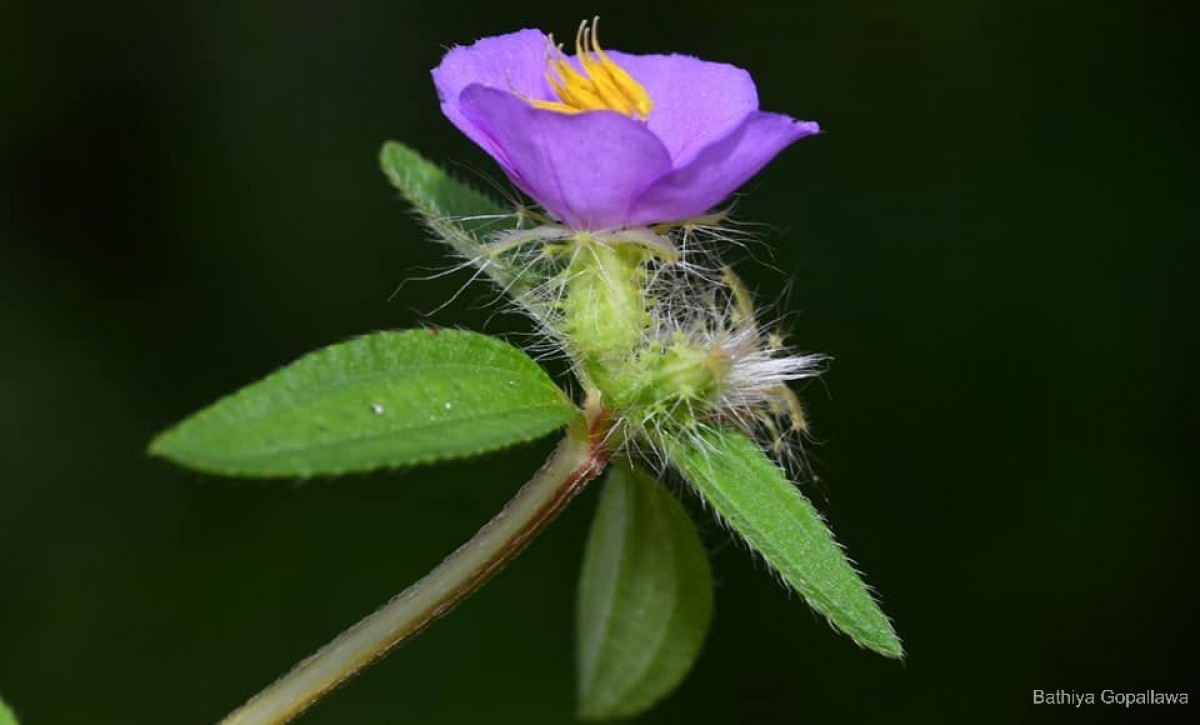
(586, 169)
(718, 170)
(696, 102)
(516, 61)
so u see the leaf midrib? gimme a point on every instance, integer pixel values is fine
(329, 388)
(275, 452)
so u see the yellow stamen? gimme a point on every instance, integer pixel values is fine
(602, 86)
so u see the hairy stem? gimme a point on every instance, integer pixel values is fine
(580, 457)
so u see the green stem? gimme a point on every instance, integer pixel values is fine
(580, 457)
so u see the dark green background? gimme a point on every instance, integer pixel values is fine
(991, 240)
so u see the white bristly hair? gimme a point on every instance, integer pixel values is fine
(691, 295)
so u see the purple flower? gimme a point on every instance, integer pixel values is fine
(605, 140)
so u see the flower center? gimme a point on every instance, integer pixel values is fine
(601, 86)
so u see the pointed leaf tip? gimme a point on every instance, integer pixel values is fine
(455, 213)
(752, 495)
(389, 399)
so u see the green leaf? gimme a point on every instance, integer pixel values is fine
(645, 598)
(454, 212)
(753, 496)
(387, 399)
(6, 714)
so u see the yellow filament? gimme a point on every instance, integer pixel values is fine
(602, 86)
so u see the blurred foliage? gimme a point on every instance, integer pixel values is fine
(645, 598)
(992, 239)
(6, 715)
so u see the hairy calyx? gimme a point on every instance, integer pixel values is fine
(663, 334)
